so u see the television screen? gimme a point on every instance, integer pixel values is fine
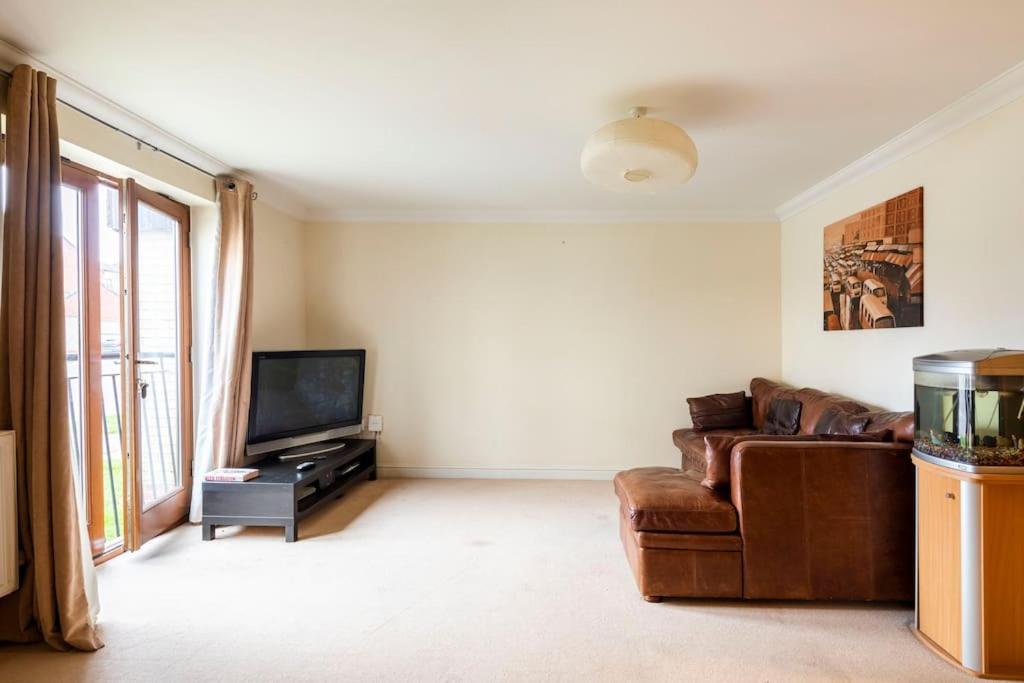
(300, 392)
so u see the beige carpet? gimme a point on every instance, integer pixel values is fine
(452, 580)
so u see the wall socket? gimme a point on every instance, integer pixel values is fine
(374, 423)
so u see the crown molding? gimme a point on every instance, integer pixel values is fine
(993, 95)
(109, 112)
(536, 216)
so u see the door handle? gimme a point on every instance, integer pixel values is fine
(143, 388)
(146, 362)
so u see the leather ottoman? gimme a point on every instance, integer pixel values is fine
(681, 538)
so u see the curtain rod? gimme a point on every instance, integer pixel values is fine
(139, 141)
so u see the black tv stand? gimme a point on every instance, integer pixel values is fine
(282, 495)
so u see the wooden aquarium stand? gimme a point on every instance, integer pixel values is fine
(970, 568)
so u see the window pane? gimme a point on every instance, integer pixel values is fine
(111, 355)
(72, 224)
(157, 295)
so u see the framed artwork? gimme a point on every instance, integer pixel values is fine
(874, 266)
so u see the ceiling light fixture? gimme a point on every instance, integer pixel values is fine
(639, 155)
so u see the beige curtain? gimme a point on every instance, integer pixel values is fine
(51, 603)
(224, 397)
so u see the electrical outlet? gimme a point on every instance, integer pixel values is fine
(375, 423)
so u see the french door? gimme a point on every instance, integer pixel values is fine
(128, 339)
(93, 322)
(159, 363)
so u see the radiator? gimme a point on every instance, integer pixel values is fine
(8, 517)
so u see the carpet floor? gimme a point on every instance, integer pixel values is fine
(452, 580)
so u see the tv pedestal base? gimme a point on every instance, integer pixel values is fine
(282, 495)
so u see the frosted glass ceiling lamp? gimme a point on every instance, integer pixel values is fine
(639, 155)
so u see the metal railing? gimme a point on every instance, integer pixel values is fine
(158, 425)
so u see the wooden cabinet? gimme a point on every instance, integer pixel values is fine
(938, 534)
(970, 568)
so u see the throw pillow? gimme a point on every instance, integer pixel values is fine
(837, 421)
(783, 417)
(720, 411)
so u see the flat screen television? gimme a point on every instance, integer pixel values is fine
(302, 397)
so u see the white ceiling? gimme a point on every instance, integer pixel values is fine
(413, 108)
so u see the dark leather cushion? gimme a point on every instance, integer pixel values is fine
(720, 411)
(837, 421)
(666, 499)
(783, 417)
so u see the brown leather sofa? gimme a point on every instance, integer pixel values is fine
(801, 520)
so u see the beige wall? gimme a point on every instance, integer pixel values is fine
(558, 346)
(973, 257)
(279, 297)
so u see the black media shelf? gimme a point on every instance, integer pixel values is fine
(281, 496)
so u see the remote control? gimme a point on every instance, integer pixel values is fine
(309, 464)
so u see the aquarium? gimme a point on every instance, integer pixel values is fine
(969, 409)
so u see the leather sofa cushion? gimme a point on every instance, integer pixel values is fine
(667, 500)
(762, 391)
(901, 424)
(720, 411)
(837, 421)
(690, 443)
(813, 403)
(783, 416)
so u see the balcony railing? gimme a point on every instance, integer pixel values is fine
(158, 435)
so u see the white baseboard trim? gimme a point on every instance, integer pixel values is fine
(397, 472)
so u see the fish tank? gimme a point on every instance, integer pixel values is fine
(969, 410)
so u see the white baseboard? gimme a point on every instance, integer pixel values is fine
(392, 472)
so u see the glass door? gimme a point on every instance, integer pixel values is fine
(91, 232)
(160, 362)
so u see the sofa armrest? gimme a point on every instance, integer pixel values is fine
(825, 520)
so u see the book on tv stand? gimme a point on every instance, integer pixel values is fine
(280, 496)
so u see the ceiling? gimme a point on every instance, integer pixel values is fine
(421, 108)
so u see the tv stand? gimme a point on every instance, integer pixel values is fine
(282, 495)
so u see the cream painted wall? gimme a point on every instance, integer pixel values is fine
(560, 346)
(279, 295)
(973, 185)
